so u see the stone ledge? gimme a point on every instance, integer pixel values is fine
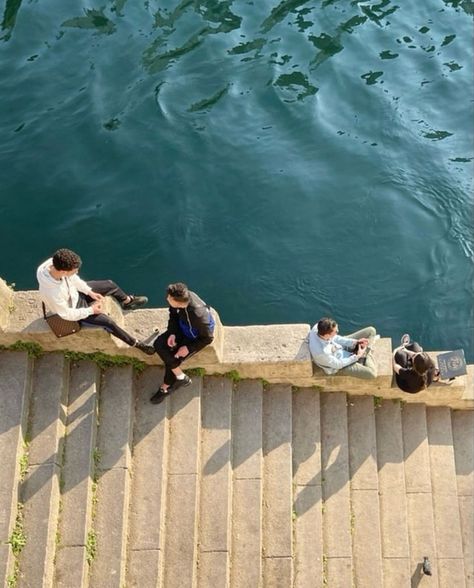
(275, 353)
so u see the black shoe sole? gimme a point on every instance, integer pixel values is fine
(159, 396)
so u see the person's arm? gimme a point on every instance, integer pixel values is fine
(346, 342)
(395, 366)
(76, 282)
(60, 306)
(203, 325)
(173, 321)
(332, 362)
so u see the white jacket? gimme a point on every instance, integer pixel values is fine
(58, 297)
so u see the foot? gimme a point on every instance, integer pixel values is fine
(159, 395)
(405, 340)
(186, 381)
(134, 302)
(148, 349)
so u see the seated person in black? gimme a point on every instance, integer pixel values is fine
(414, 369)
(190, 328)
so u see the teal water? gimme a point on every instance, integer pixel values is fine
(287, 160)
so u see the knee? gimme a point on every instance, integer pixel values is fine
(400, 356)
(371, 332)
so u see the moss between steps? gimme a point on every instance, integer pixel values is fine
(103, 360)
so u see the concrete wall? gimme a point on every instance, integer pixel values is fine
(275, 353)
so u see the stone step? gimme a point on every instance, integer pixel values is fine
(246, 565)
(365, 510)
(336, 490)
(15, 383)
(148, 496)
(444, 490)
(307, 500)
(463, 438)
(110, 523)
(277, 512)
(77, 476)
(421, 530)
(392, 495)
(216, 483)
(39, 492)
(182, 500)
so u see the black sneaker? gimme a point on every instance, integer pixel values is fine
(159, 396)
(148, 349)
(135, 302)
(186, 381)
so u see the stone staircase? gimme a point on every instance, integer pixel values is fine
(226, 484)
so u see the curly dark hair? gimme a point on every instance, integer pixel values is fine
(66, 260)
(326, 325)
(178, 292)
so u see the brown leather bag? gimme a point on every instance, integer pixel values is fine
(60, 326)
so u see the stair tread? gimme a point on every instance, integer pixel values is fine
(216, 474)
(277, 475)
(113, 477)
(182, 501)
(365, 510)
(40, 490)
(392, 490)
(39, 494)
(307, 499)
(15, 371)
(246, 566)
(443, 483)
(335, 482)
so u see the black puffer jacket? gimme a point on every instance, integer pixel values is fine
(197, 318)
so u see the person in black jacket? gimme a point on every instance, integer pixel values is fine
(190, 328)
(414, 369)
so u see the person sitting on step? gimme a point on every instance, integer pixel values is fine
(350, 355)
(65, 294)
(414, 369)
(190, 328)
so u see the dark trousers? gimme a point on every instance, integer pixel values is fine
(402, 358)
(106, 288)
(167, 354)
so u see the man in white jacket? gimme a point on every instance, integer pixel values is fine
(65, 294)
(345, 356)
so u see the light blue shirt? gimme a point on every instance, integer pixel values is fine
(332, 354)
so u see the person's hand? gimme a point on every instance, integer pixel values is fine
(361, 350)
(95, 296)
(363, 342)
(171, 341)
(183, 351)
(97, 307)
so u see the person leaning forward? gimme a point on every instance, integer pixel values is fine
(350, 355)
(64, 293)
(190, 329)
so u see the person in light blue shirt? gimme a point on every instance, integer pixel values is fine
(345, 356)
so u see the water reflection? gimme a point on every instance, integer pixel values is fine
(93, 19)
(9, 17)
(294, 82)
(207, 103)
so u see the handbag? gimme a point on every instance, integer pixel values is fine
(61, 327)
